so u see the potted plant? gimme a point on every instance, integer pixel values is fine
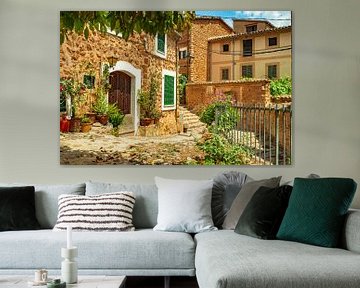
(115, 118)
(147, 103)
(145, 107)
(85, 124)
(71, 93)
(156, 115)
(91, 116)
(101, 106)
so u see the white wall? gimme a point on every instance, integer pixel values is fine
(326, 84)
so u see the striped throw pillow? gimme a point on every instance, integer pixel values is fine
(105, 212)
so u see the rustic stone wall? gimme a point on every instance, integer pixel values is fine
(199, 95)
(79, 57)
(201, 30)
(166, 125)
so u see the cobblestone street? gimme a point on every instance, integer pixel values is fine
(100, 147)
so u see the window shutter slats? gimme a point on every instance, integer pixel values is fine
(161, 43)
(169, 92)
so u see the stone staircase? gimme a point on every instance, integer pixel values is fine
(195, 126)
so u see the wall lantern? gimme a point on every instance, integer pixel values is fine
(112, 60)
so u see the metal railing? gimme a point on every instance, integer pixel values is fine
(265, 129)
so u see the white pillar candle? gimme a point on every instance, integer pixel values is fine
(69, 237)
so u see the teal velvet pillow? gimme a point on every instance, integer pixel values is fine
(316, 211)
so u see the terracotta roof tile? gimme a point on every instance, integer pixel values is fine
(252, 80)
(259, 32)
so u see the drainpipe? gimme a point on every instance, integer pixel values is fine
(233, 59)
(178, 37)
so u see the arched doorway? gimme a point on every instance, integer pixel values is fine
(120, 91)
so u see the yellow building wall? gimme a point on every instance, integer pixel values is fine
(263, 55)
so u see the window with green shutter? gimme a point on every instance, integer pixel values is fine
(272, 71)
(247, 71)
(169, 91)
(161, 43)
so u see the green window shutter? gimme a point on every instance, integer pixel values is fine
(169, 92)
(272, 71)
(161, 43)
(247, 71)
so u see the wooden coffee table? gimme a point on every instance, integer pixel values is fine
(83, 282)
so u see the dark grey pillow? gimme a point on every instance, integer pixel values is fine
(243, 198)
(46, 200)
(263, 214)
(17, 209)
(225, 189)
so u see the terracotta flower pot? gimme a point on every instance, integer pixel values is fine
(75, 125)
(64, 124)
(85, 127)
(103, 119)
(91, 116)
(146, 121)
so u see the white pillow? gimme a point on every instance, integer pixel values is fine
(104, 212)
(184, 205)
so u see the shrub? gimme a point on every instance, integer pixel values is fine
(116, 117)
(226, 116)
(218, 151)
(147, 100)
(281, 86)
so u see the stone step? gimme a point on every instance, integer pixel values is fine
(190, 118)
(195, 124)
(192, 121)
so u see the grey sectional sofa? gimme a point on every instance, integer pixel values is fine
(219, 259)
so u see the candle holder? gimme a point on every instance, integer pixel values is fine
(69, 272)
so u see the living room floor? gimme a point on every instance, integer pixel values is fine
(158, 282)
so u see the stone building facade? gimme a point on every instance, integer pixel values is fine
(136, 60)
(193, 46)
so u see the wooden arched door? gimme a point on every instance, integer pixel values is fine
(120, 91)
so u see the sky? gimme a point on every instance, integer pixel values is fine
(277, 18)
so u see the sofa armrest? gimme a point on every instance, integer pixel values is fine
(351, 234)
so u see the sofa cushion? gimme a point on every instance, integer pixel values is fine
(46, 200)
(146, 204)
(136, 250)
(225, 259)
(351, 237)
(263, 215)
(105, 212)
(17, 208)
(243, 198)
(317, 209)
(184, 205)
(225, 189)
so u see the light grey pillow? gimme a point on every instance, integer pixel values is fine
(184, 205)
(46, 200)
(225, 189)
(310, 176)
(243, 198)
(146, 204)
